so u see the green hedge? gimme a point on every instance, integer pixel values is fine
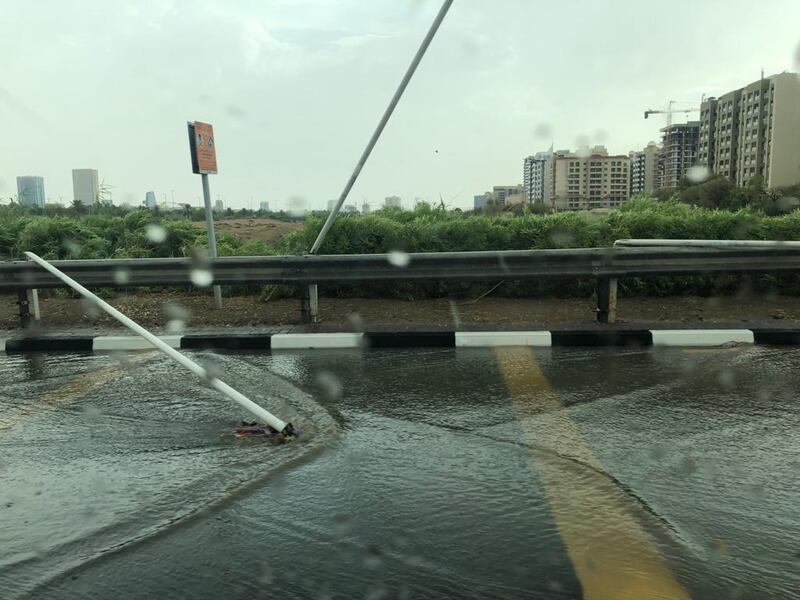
(423, 230)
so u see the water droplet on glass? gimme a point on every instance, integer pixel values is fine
(297, 207)
(201, 277)
(173, 310)
(583, 151)
(155, 233)
(176, 326)
(72, 247)
(267, 575)
(235, 111)
(376, 591)
(727, 379)
(698, 174)
(788, 203)
(688, 466)
(601, 136)
(122, 276)
(90, 309)
(342, 524)
(399, 259)
(356, 322)
(561, 238)
(373, 558)
(330, 385)
(542, 131)
(91, 412)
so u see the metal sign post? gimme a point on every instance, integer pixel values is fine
(203, 149)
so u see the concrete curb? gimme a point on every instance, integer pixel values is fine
(407, 339)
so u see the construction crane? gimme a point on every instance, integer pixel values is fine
(670, 111)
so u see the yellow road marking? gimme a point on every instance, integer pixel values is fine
(613, 557)
(71, 391)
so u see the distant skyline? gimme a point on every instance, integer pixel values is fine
(294, 89)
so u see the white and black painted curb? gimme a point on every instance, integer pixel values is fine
(410, 339)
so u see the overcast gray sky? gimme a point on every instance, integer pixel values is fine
(294, 88)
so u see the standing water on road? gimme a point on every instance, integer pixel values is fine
(464, 473)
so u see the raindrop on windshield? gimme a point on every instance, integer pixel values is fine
(356, 321)
(601, 136)
(201, 277)
(72, 247)
(267, 575)
(727, 379)
(788, 203)
(297, 207)
(542, 131)
(698, 174)
(121, 276)
(155, 233)
(373, 559)
(90, 309)
(376, 591)
(399, 259)
(329, 384)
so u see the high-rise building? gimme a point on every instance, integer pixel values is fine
(480, 200)
(30, 190)
(150, 200)
(679, 152)
(85, 186)
(538, 178)
(754, 130)
(365, 209)
(219, 206)
(590, 178)
(393, 202)
(263, 206)
(643, 169)
(501, 193)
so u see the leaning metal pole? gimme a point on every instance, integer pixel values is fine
(222, 387)
(311, 302)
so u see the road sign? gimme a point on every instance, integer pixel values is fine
(202, 147)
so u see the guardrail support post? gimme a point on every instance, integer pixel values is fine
(607, 300)
(25, 301)
(309, 304)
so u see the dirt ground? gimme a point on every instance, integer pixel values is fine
(156, 310)
(265, 230)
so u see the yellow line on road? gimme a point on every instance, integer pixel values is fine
(614, 558)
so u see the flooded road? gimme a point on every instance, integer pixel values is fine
(469, 473)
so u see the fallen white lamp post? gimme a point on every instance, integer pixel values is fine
(286, 429)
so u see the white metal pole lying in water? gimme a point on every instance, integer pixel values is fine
(220, 386)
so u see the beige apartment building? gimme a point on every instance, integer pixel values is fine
(643, 169)
(754, 130)
(590, 178)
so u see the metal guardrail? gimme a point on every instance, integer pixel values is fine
(604, 264)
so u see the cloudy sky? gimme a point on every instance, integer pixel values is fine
(294, 88)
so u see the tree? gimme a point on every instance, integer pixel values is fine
(79, 207)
